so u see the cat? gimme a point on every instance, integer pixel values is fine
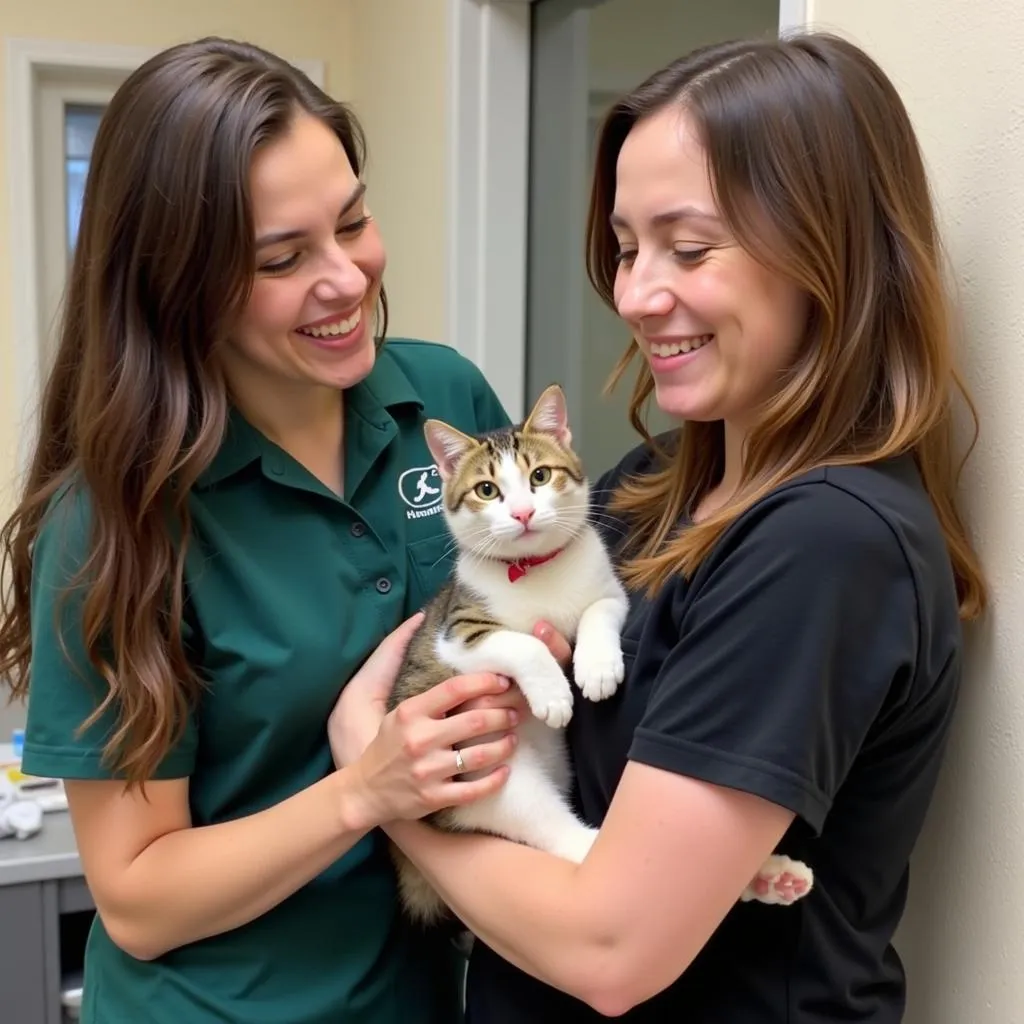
(517, 504)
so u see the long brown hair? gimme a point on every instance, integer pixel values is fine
(135, 406)
(817, 172)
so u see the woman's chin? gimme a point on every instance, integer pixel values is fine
(685, 408)
(355, 367)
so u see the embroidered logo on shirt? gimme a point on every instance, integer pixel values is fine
(420, 489)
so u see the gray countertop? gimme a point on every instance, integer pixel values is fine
(51, 854)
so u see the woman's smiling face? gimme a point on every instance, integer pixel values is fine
(320, 260)
(716, 327)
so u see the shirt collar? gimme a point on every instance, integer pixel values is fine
(385, 389)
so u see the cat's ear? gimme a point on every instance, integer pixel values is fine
(447, 445)
(549, 416)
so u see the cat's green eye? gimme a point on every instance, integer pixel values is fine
(540, 476)
(486, 490)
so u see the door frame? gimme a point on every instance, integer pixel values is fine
(487, 188)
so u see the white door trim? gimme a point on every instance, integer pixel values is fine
(488, 143)
(28, 61)
(792, 15)
(488, 130)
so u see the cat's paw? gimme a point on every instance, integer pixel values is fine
(549, 697)
(598, 667)
(554, 710)
(780, 880)
(575, 845)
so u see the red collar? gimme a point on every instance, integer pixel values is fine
(517, 569)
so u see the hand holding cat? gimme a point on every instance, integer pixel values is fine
(359, 711)
(404, 761)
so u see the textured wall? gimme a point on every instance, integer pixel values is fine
(958, 65)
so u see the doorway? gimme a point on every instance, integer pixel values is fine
(585, 54)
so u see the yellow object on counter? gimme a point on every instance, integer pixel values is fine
(14, 773)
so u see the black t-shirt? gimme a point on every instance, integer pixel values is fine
(813, 659)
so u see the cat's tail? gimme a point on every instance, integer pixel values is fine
(419, 898)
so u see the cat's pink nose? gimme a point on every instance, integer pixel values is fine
(523, 515)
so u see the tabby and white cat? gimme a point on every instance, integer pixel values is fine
(516, 502)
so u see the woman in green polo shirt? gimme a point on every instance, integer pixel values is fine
(230, 506)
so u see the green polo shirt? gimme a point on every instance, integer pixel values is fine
(289, 589)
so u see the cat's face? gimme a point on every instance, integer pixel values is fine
(515, 492)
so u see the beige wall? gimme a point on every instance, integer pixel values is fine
(400, 69)
(958, 66)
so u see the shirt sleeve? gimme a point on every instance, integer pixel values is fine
(794, 633)
(64, 688)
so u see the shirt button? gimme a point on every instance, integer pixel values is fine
(358, 529)
(383, 585)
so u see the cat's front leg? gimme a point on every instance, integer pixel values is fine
(597, 661)
(523, 658)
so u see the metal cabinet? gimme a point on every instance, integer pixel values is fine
(43, 929)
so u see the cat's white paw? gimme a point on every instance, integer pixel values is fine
(549, 696)
(554, 710)
(780, 880)
(598, 667)
(575, 845)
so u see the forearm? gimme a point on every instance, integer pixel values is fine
(549, 926)
(197, 882)
(672, 857)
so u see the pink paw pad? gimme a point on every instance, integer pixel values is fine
(780, 881)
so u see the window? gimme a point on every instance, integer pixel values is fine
(69, 107)
(80, 124)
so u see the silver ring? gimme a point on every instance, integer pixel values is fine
(460, 765)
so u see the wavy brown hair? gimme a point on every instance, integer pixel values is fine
(817, 172)
(135, 406)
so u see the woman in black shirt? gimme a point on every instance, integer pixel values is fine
(798, 569)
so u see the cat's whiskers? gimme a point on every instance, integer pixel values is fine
(484, 551)
(598, 517)
(571, 531)
(583, 506)
(595, 517)
(454, 543)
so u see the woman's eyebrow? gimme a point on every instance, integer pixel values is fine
(682, 213)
